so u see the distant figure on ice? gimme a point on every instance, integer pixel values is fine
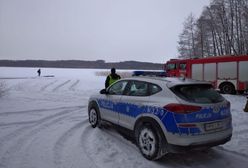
(39, 72)
(246, 106)
(111, 78)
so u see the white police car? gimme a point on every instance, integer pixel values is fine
(164, 114)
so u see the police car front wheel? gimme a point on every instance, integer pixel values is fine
(94, 118)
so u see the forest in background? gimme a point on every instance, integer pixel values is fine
(98, 64)
(222, 29)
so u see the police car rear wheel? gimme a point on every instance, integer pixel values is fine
(148, 142)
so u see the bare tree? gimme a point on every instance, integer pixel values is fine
(222, 29)
(186, 43)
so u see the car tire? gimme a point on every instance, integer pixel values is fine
(148, 141)
(227, 88)
(94, 115)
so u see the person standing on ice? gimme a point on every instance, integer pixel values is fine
(39, 72)
(111, 78)
(246, 106)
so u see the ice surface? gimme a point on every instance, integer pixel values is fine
(44, 124)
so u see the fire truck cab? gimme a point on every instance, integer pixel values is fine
(229, 74)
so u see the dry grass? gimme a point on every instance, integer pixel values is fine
(123, 74)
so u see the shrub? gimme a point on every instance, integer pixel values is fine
(123, 74)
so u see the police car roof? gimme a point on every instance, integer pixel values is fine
(170, 81)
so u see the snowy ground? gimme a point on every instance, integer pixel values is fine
(44, 124)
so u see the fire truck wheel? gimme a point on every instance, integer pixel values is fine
(227, 88)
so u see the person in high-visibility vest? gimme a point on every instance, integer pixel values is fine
(111, 78)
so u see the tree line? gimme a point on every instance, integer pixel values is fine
(98, 64)
(221, 29)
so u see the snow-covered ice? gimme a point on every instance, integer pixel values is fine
(44, 124)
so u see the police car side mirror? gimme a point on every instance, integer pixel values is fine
(103, 91)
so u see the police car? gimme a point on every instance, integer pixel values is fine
(164, 114)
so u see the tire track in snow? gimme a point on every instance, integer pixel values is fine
(38, 124)
(82, 144)
(108, 148)
(213, 157)
(67, 122)
(24, 129)
(66, 143)
(72, 87)
(25, 134)
(17, 123)
(19, 86)
(59, 145)
(220, 148)
(49, 84)
(38, 110)
(242, 131)
(61, 85)
(20, 123)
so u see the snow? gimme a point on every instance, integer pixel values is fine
(44, 123)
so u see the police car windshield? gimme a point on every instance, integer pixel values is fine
(197, 93)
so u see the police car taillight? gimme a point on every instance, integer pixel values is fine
(181, 108)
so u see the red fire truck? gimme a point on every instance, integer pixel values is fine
(227, 73)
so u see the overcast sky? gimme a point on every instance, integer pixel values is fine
(111, 30)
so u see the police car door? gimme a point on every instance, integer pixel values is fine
(134, 102)
(115, 92)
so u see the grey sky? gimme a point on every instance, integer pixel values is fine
(112, 30)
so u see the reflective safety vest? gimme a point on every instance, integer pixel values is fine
(111, 80)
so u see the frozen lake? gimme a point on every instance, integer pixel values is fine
(44, 123)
